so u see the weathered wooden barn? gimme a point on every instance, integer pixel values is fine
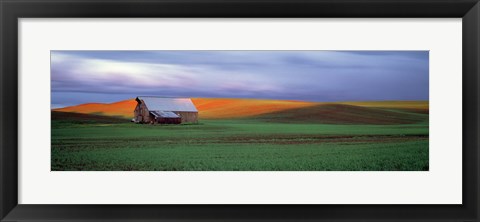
(163, 110)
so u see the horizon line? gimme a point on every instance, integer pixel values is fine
(340, 101)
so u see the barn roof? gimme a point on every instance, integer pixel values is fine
(168, 104)
(164, 114)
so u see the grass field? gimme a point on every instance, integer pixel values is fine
(347, 137)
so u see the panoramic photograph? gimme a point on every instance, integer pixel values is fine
(239, 110)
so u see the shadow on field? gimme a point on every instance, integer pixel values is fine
(80, 118)
(343, 114)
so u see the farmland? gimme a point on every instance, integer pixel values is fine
(267, 136)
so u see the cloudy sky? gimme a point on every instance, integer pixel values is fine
(108, 76)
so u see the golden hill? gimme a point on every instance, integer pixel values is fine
(239, 108)
(208, 108)
(220, 108)
(123, 108)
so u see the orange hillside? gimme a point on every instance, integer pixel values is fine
(219, 108)
(123, 108)
(208, 108)
(237, 108)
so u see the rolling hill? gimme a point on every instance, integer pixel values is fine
(343, 114)
(208, 108)
(241, 108)
(122, 108)
(371, 112)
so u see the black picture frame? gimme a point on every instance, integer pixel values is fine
(12, 10)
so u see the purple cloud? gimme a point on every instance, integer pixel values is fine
(107, 76)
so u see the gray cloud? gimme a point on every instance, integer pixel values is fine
(105, 76)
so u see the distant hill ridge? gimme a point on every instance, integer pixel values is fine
(343, 114)
(378, 112)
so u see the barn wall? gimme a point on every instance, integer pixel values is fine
(142, 114)
(188, 117)
(136, 113)
(145, 113)
(169, 120)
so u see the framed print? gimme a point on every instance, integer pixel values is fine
(264, 113)
(226, 110)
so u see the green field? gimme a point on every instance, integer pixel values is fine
(89, 142)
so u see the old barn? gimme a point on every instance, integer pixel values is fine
(163, 110)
